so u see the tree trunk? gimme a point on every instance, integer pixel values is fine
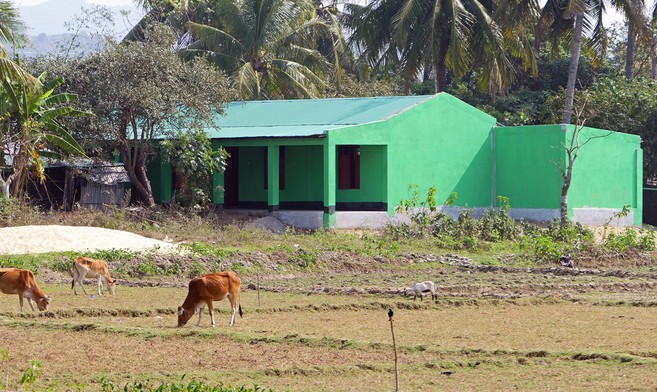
(653, 57)
(572, 68)
(629, 55)
(440, 81)
(137, 174)
(564, 202)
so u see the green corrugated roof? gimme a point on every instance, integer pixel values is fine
(306, 117)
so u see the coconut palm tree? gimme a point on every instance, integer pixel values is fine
(576, 18)
(447, 36)
(268, 46)
(10, 28)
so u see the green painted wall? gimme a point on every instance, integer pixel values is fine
(608, 172)
(443, 142)
(372, 177)
(526, 165)
(252, 174)
(303, 174)
(160, 176)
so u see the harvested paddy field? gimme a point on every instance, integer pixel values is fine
(491, 329)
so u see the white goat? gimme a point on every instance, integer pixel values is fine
(418, 289)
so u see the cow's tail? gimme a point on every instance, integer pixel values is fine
(239, 307)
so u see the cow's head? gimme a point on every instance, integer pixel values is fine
(110, 285)
(43, 303)
(183, 316)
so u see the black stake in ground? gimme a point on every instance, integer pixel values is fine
(394, 346)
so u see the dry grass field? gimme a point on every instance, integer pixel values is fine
(487, 332)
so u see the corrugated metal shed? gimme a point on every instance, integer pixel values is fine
(306, 117)
(107, 175)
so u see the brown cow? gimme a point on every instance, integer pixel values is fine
(206, 289)
(92, 268)
(22, 282)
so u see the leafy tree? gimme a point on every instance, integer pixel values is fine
(141, 92)
(268, 46)
(193, 160)
(573, 19)
(31, 127)
(628, 106)
(438, 36)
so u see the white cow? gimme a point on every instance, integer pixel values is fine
(418, 289)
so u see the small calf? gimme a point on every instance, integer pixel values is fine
(23, 283)
(92, 268)
(418, 289)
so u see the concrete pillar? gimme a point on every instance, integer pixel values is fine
(273, 152)
(330, 183)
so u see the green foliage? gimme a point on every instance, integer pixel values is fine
(158, 94)
(194, 162)
(192, 386)
(203, 249)
(15, 212)
(497, 224)
(27, 262)
(112, 254)
(549, 244)
(465, 232)
(641, 240)
(269, 47)
(30, 375)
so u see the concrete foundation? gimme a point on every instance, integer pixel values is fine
(602, 216)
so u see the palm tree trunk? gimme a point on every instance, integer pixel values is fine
(440, 82)
(629, 55)
(653, 57)
(572, 68)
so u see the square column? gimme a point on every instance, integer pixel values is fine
(273, 195)
(330, 184)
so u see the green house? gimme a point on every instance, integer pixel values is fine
(348, 162)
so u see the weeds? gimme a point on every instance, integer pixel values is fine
(192, 386)
(542, 244)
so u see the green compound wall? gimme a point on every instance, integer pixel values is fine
(607, 174)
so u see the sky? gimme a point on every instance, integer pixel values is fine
(99, 2)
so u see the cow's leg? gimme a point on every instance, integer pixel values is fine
(20, 301)
(233, 306)
(76, 276)
(100, 285)
(29, 301)
(200, 313)
(81, 282)
(211, 310)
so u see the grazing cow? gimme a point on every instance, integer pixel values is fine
(92, 268)
(22, 282)
(206, 289)
(418, 289)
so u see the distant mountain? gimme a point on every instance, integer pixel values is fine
(49, 17)
(48, 33)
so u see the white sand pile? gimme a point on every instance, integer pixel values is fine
(53, 238)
